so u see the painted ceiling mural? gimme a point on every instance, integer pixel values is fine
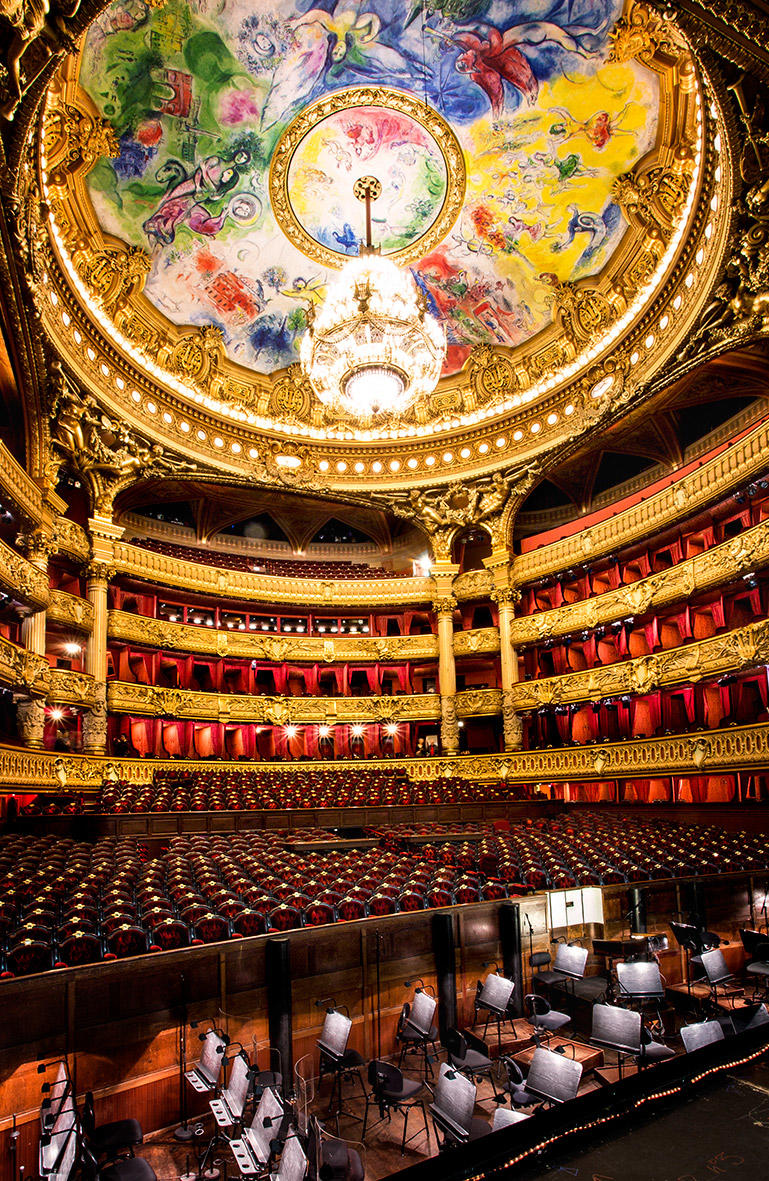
(204, 93)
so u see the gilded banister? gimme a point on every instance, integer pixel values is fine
(23, 671)
(712, 481)
(733, 651)
(737, 748)
(123, 697)
(68, 687)
(262, 588)
(70, 610)
(706, 571)
(22, 580)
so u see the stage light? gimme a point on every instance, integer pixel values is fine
(56, 714)
(290, 731)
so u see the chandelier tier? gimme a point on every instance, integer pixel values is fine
(372, 347)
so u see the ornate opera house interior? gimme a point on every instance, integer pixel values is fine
(384, 581)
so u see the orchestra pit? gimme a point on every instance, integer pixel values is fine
(384, 590)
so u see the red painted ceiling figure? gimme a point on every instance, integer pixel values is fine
(492, 57)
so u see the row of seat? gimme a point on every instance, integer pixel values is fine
(280, 567)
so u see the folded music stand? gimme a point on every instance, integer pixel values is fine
(204, 1076)
(718, 975)
(553, 1077)
(703, 1033)
(293, 1162)
(252, 1152)
(420, 1022)
(618, 1030)
(570, 960)
(453, 1106)
(495, 998)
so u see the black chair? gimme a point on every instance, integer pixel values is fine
(652, 1051)
(515, 1084)
(544, 1019)
(757, 950)
(390, 1091)
(132, 1168)
(110, 1139)
(470, 1056)
(721, 980)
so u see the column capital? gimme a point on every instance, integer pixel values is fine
(37, 546)
(445, 605)
(97, 571)
(505, 594)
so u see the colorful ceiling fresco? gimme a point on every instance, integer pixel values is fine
(204, 94)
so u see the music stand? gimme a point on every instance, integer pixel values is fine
(228, 1110)
(704, 1033)
(453, 1106)
(204, 1076)
(495, 998)
(293, 1162)
(504, 1116)
(553, 1077)
(58, 1124)
(336, 1059)
(419, 1023)
(618, 1030)
(253, 1151)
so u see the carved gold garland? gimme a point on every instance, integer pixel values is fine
(650, 197)
(67, 687)
(737, 748)
(20, 579)
(22, 670)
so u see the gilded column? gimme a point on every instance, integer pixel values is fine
(444, 607)
(37, 548)
(506, 596)
(95, 719)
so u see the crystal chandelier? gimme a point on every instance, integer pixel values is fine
(372, 347)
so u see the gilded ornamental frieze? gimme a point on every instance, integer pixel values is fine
(138, 629)
(123, 697)
(70, 610)
(478, 702)
(479, 641)
(23, 671)
(712, 568)
(736, 748)
(21, 580)
(740, 649)
(69, 687)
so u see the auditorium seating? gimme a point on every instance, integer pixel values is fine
(65, 903)
(279, 567)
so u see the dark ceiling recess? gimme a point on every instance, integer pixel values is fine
(545, 496)
(699, 420)
(615, 469)
(174, 513)
(338, 533)
(260, 528)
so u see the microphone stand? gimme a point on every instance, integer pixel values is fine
(184, 1132)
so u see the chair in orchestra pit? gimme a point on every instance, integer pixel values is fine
(545, 1019)
(757, 950)
(134, 1168)
(515, 1083)
(112, 1139)
(390, 1091)
(494, 999)
(470, 1056)
(721, 980)
(652, 1050)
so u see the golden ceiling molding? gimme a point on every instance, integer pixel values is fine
(710, 482)
(743, 648)
(67, 687)
(71, 610)
(712, 568)
(35, 505)
(230, 395)
(183, 637)
(167, 571)
(184, 704)
(23, 671)
(736, 748)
